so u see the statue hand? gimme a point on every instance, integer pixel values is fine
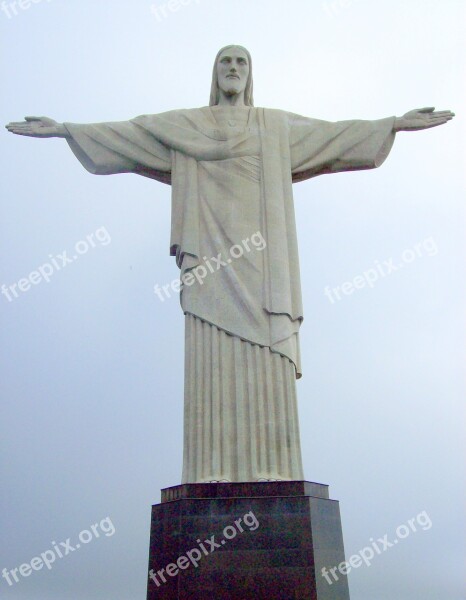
(41, 127)
(422, 118)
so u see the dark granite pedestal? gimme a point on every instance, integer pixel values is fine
(241, 541)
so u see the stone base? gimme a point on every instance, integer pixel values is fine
(241, 541)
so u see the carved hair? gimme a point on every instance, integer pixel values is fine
(215, 92)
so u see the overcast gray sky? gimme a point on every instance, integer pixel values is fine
(92, 361)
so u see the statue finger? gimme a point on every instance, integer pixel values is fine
(436, 123)
(442, 113)
(446, 113)
(438, 119)
(444, 118)
(17, 128)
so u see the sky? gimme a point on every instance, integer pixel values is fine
(92, 361)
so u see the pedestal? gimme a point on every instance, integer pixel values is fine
(241, 541)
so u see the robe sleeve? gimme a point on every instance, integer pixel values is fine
(319, 147)
(119, 147)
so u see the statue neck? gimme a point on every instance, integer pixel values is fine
(231, 100)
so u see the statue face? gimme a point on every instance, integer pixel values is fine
(232, 71)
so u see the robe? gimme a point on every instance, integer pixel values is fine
(232, 190)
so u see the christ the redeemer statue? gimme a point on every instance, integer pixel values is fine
(231, 167)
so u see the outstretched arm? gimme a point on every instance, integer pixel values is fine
(422, 118)
(319, 147)
(41, 127)
(106, 148)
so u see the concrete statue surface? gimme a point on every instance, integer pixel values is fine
(231, 167)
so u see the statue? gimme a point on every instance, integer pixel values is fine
(231, 167)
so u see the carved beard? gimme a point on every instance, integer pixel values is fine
(232, 91)
(232, 87)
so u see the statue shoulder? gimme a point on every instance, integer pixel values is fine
(171, 116)
(280, 117)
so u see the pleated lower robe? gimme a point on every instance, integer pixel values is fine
(240, 419)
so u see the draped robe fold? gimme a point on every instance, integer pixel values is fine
(229, 183)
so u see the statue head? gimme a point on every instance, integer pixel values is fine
(232, 74)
